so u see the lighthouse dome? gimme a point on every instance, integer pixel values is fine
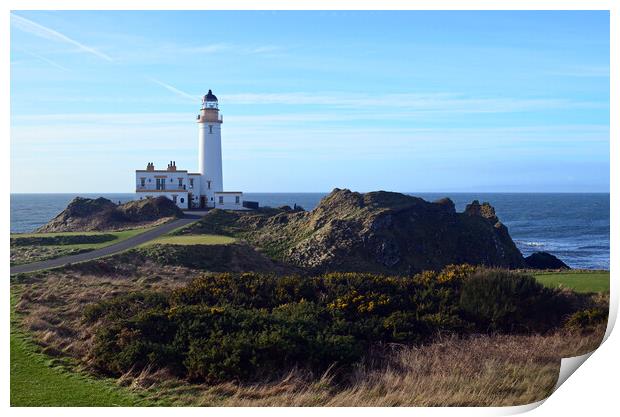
(210, 97)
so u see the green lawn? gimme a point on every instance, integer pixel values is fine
(37, 382)
(579, 281)
(193, 240)
(119, 236)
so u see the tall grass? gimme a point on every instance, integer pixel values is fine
(489, 370)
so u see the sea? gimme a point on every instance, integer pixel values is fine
(573, 227)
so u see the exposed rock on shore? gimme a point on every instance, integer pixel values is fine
(87, 214)
(374, 232)
(544, 260)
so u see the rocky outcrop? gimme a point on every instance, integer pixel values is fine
(87, 214)
(544, 260)
(374, 232)
(149, 209)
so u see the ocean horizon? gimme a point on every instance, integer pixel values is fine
(572, 226)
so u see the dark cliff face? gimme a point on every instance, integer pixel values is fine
(375, 232)
(85, 214)
(392, 232)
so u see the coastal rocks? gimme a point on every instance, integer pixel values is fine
(290, 209)
(87, 214)
(381, 232)
(484, 210)
(149, 209)
(544, 260)
(82, 207)
(447, 204)
(388, 253)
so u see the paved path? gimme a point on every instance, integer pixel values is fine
(129, 243)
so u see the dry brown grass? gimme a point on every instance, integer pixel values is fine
(52, 304)
(498, 370)
(27, 254)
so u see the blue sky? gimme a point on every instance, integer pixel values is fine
(403, 101)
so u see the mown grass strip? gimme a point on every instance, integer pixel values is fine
(579, 281)
(36, 382)
(193, 240)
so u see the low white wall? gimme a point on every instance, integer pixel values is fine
(229, 201)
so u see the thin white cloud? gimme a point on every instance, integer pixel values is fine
(219, 47)
(265, 49)
(41, 31)
(204, 49)
(173, 89)
(46, 60)
(354, 106)
(340, 106)
(432, 102)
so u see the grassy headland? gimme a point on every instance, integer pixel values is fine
(33, 247)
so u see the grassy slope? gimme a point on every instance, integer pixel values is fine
(35, 382)
(579, 281)
(56, 251)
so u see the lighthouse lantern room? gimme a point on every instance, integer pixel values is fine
(202, 189)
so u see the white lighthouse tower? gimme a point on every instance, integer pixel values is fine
(210, 148)
(194, 190)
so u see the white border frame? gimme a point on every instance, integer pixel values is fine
(592, 391)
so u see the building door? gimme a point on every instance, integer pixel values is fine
(190, 197)
(203, 201)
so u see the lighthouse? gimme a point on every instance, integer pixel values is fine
(210, 147)
(194, 190)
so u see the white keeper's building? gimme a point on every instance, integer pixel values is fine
(202, 189)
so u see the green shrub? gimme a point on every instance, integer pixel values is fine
(497, 300)
(238, 343)
(587, 320)
(246, 326)
(125, 306)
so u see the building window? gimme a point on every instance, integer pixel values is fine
(209, 185)
(210, 128)
(182, 200)
(221, 199)
(142, 181)
(191, 183)
(174, 199)
(160, 184)
(180, 182)
(237, 199)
